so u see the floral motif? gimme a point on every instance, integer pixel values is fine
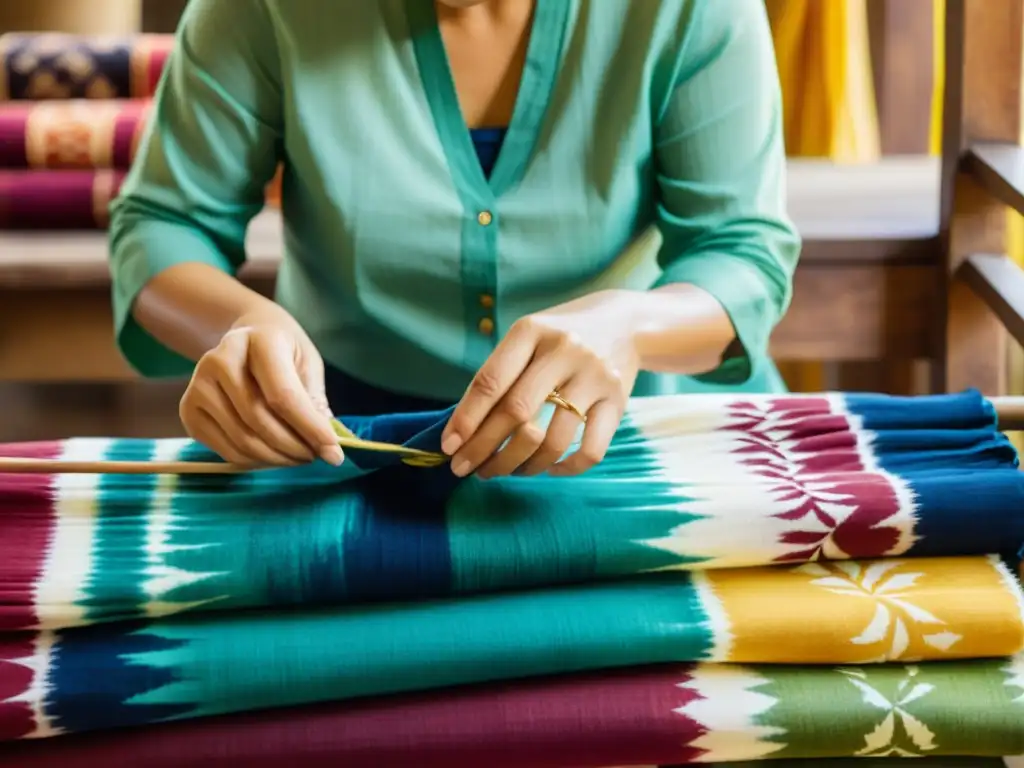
(898, 733)
(810, 455)
(895, 616)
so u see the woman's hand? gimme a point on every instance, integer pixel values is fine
(583, 349)
(257, 398)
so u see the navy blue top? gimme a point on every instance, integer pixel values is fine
(348, 396)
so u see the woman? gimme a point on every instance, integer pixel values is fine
(460, 179)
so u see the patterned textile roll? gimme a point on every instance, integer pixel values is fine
(678, 714)
(68, 199)
(43, 66)
(75, 134)
(57, 199)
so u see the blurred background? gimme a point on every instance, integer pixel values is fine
(862, 82)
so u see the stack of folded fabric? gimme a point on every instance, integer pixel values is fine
(742, 578)
(72, 111)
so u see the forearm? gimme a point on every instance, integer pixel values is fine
(189, 307)
(678, 328)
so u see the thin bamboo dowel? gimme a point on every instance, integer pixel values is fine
(26, 466)
(22, 466)
(1009, 411)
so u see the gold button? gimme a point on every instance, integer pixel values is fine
(486, 326)
(484, 218)
(486, 300)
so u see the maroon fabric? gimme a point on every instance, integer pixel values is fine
(622, 718)
(77, 134)
(30, 496)
(57, 199)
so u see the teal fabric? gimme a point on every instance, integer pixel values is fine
(628, 114)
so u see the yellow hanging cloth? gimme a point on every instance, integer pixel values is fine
(824, 61)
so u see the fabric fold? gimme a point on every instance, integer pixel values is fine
(662, 715)
(112, 675)
(690, 483)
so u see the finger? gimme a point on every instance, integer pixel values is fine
(272, 362)
(205, 430)
(214, 402)
(520, 406)
(311, 373)
(490, 384)
(563, 429)
(525, 441)
(602, 423)
(228, 368)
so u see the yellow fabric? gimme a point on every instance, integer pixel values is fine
(939, 80)
(868, 612)
(824, 61)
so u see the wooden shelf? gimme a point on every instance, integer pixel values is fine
(1000, 284)
(846, 214)
(999, 168)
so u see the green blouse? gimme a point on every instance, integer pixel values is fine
(403, 260)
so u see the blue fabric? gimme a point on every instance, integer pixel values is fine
(487, 143)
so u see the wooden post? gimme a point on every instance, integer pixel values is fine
(902, 56)
(982, 103)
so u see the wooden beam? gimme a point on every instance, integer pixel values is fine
(982, 104)
(901, 35)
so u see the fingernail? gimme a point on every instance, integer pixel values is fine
(451, 444)
(332, 455)
(460, 468)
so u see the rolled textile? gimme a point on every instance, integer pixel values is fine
(77, 134)
(113, 675)
(45, 66)
(57, 199)
(692, 482)
(672, 714)
(70, 199)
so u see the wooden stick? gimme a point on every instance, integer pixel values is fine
(1009, 411)
(12, 465)
(25, 466)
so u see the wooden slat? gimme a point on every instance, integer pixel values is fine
(1000, 284)
(999, 169)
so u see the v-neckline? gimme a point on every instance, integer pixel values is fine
(540, 71)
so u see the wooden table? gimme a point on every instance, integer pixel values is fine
(870, 233)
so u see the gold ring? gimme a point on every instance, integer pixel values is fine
(556, 399)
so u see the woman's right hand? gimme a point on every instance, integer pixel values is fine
(257, 398)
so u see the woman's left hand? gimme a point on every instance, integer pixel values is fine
(584, 351)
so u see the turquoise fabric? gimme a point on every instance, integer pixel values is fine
(628, 114)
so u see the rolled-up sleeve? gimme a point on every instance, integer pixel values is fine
(721, 168)
(209, 149)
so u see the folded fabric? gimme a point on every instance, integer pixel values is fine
(57, 199)
(113, 675)
(694, 482)
(75, 134)
(67, 198)
(41, 66)
(670, 714)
